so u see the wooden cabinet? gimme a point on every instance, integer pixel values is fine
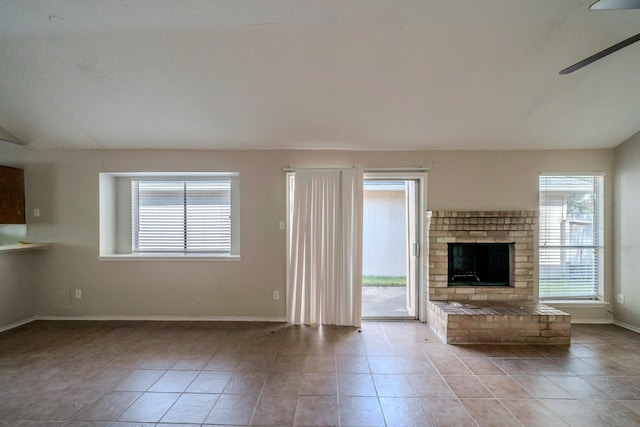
(11, 196)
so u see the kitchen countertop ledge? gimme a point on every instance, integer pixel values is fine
(24, 247)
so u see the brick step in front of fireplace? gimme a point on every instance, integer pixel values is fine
(499, 322)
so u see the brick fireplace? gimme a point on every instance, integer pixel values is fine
(471, 313)
(515, 227)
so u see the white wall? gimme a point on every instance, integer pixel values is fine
(384, 234)
(627, 231)
(65, 189)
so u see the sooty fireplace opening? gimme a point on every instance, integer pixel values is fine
(480, 264)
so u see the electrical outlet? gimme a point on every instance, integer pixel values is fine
(281, 225)
(276, 295)
(36, 213)
(620, 298)
(78, 293)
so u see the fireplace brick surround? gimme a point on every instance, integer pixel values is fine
(486, 314)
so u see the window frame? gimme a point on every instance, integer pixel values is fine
(116, 217)
(597, 245)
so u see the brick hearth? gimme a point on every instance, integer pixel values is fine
(500, 322)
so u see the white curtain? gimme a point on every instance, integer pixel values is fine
(323, 273)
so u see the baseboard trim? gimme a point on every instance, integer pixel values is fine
(591, 321)
(17, 324)
(627, 326)
(168, 318)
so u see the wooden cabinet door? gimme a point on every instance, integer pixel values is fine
(11, 196)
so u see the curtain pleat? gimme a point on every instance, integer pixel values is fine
(322, 269)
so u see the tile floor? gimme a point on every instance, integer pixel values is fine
(390, 374)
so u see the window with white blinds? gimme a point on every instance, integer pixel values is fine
(181, 216)
(571, 236)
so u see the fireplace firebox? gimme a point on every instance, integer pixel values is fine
(480, 264)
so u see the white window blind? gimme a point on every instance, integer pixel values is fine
(181, 215)
(571, 236)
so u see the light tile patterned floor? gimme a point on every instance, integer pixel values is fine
(390, 374)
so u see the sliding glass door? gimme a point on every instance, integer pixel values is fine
(390, 246)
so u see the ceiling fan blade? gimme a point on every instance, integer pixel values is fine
(615, 4)
(601, 54)
(7, 136)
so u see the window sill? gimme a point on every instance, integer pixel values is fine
(169, 257)
(575, 303)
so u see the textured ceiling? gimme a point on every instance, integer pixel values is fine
(346, 74)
